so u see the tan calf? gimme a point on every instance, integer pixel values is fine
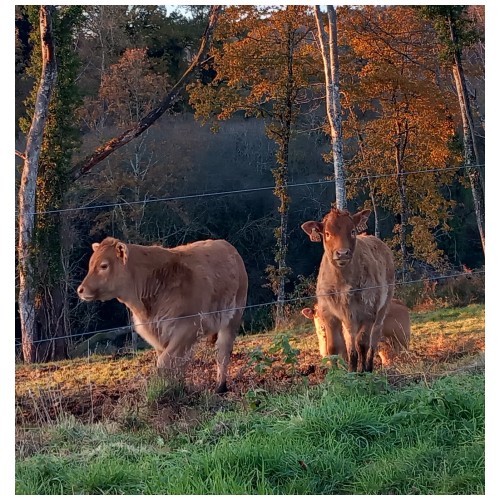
(176, 295)
(355, 283)
(395, 333)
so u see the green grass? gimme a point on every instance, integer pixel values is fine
(449, 314)
(350, 435)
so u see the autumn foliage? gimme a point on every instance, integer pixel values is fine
(260, 83)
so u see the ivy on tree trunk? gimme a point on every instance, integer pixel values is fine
(27, 190)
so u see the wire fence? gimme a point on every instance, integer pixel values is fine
(201, 314)
(246, 190)
(351, 178)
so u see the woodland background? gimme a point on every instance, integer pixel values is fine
(262, 87)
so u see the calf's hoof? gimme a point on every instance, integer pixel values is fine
(221, 389)
(369, 360)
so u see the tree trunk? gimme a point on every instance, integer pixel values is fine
(278, 274)
(374, 205)
(281, 254)
(329, 53)
(50, 321)
(478, 135)
(403, 201)
(281, 180)
(403, 227)
(470, 148)
(27, 188)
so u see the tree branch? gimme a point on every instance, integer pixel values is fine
(144, 123)
(21, 155)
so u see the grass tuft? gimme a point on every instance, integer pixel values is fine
(161, 389)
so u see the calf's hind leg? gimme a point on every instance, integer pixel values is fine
(224, 345)
(172, 361)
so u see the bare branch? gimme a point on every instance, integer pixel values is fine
(21, 155)
(109, 147)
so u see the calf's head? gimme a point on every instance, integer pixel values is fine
(106, 278)
(319, 325)
(338, 230)
(312, 314)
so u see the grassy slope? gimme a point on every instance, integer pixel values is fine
(298, 435)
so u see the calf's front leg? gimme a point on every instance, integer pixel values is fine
(375, 334)
(350, 344)
(172, 361)
(362, 347)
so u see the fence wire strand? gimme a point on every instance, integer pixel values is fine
(242, 191)
(253, 306)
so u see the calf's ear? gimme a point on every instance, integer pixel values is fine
(308, 313)
(95, 246)
(313, 229)
(360, 219)
(122, 252)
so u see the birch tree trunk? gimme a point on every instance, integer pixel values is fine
(470, 148)
(329, 53)
(27, 190)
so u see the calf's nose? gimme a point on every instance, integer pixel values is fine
(80, 290)
(342, 253)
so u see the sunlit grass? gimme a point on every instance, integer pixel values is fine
(359, 437)
(442, 341)
(432, 333)
(109, 425)
(448, 332)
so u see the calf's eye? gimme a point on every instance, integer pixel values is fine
(103, 266)
(353, 233)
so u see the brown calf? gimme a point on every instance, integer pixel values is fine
(395, 333)
(176, 295)
(355, 283)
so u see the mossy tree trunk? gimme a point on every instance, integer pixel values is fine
(27, 191)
